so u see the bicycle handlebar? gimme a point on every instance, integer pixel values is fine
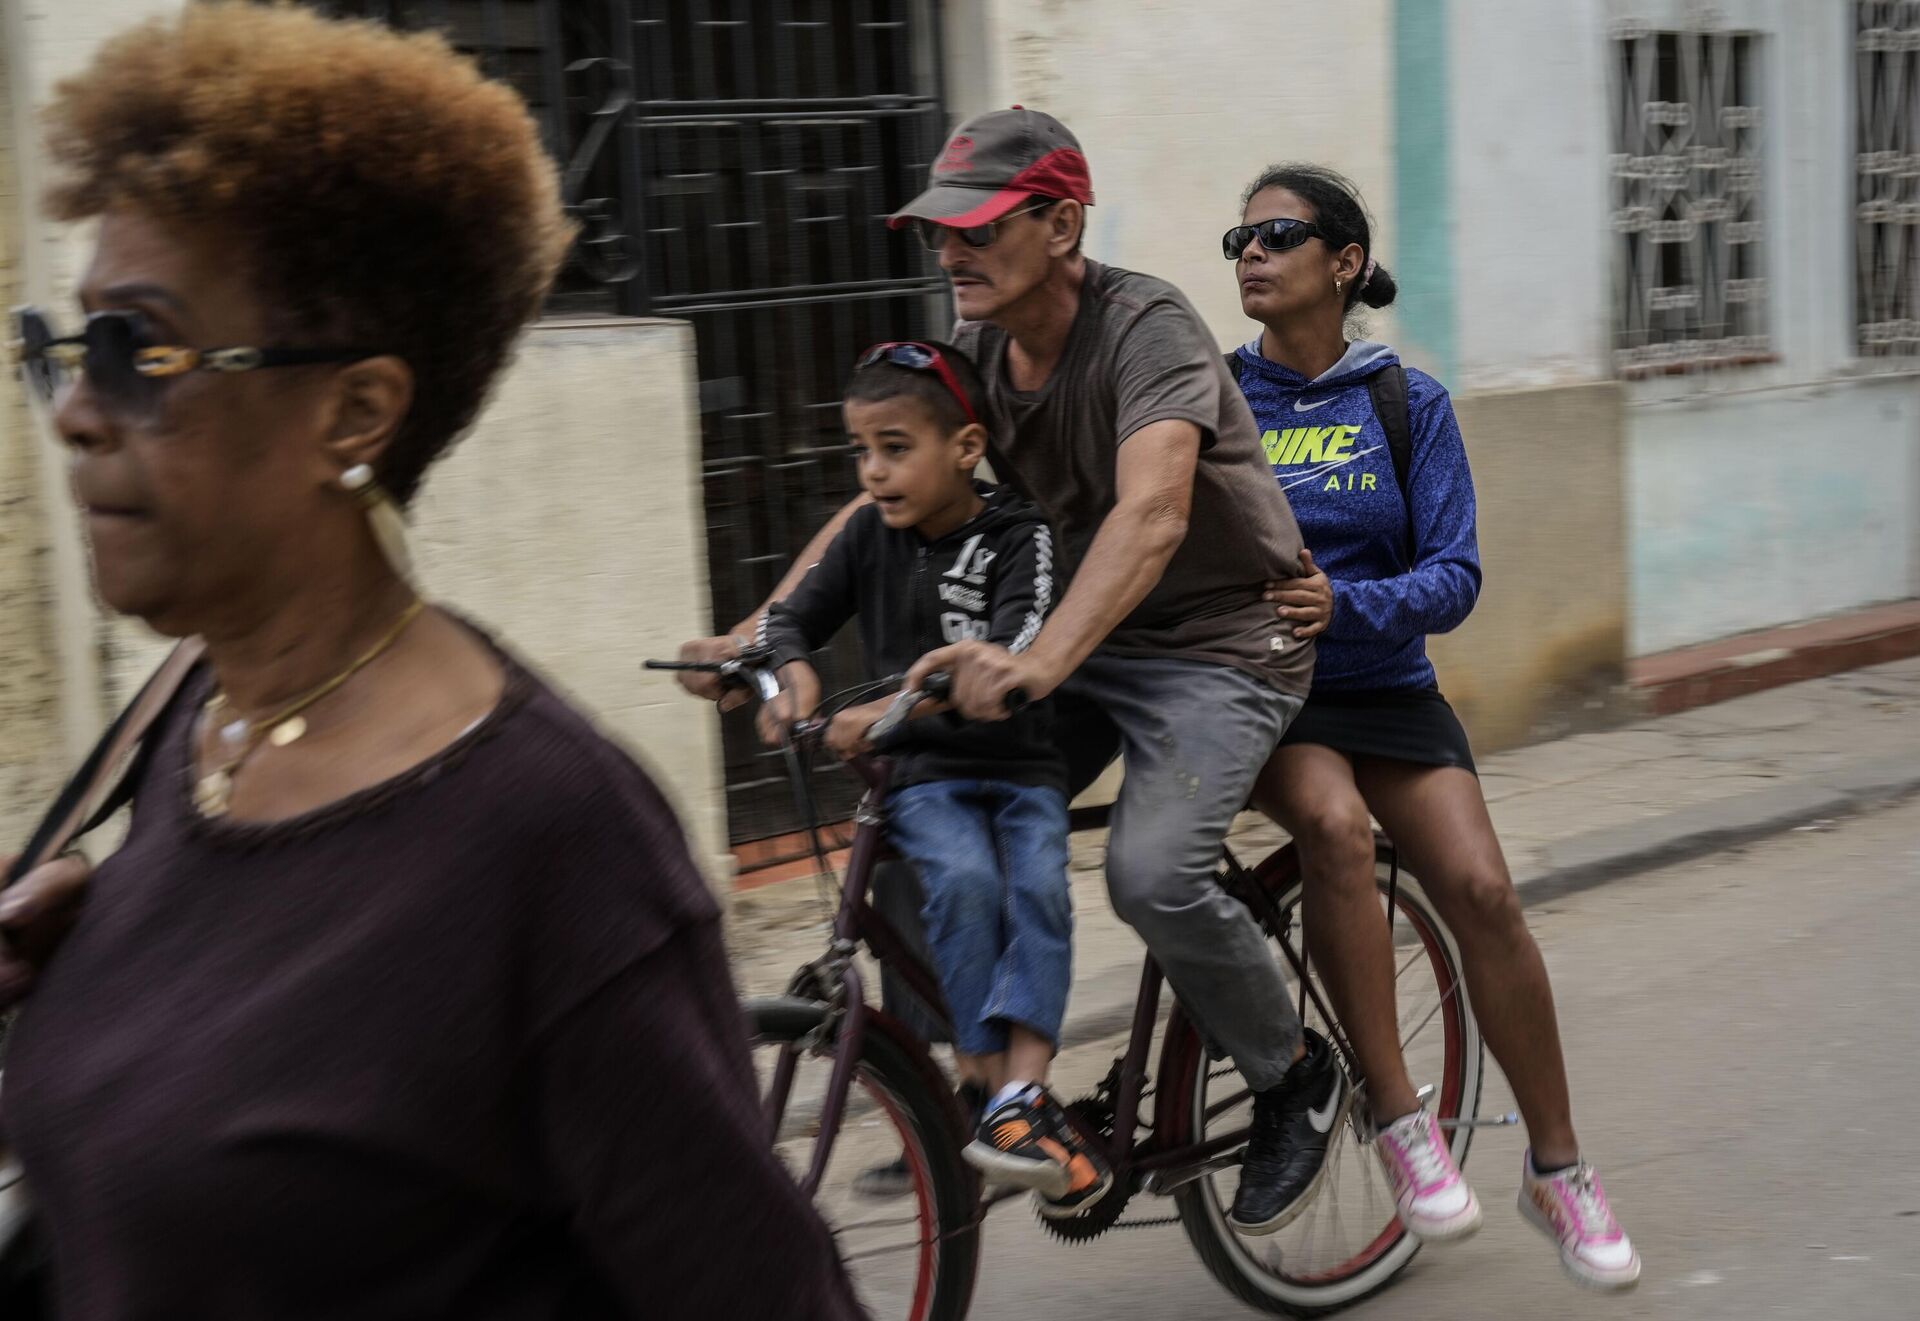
(752, 669)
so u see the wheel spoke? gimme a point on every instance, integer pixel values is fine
(1348, 1240)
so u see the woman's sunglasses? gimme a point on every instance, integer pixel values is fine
(918, 357)
(1274, 236)
(125, 362)
(934, 234)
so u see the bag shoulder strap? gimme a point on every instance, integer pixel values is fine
(1235, 366)
(105, 780)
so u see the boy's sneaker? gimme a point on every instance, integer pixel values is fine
(1569, 1207)
(893, 1178)
(1028, 1142)
(1433, 1199)
(1286, 1153)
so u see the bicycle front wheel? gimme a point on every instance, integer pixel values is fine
(912, 1254)
(1348, 1242)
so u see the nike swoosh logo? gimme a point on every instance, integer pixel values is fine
(1322, 1119)
(1302, 406)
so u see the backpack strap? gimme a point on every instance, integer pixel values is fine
(1235, 366)
(1388, 390)
(106, 779)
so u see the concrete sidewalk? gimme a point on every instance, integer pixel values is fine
(1570, 813)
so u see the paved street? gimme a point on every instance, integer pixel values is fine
(1745, 1049)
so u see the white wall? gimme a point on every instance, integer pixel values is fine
(571, 522)
(1759, 509)
(1179, 106)
(1529, 150)
(1765, 495)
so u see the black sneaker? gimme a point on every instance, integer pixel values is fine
(1287, 1149)
(893, 1179)
(1030, 1143)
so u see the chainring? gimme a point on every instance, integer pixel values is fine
(1093, 1114)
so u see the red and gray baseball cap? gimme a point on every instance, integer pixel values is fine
(994, 162)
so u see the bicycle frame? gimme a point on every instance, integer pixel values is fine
(835, 979)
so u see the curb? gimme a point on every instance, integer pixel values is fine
(1596, 857)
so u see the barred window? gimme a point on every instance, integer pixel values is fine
(1887, 178)
(1690, 287)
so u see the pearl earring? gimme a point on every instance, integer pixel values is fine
(383, 516)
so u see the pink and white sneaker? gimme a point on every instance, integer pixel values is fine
(1430, 1193)
(1570, 1207)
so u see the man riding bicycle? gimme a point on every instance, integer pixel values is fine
(1112, 410)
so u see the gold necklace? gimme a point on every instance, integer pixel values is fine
(213, 792)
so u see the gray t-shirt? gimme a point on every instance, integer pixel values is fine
(1137, 354)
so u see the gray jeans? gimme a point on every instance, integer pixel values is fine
(1193, 738)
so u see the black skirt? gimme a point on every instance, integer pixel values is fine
(1402, 724)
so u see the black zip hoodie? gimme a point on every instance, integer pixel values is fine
(992, 579)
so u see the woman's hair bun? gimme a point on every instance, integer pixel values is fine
(1380, 289)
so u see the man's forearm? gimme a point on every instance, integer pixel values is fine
(805, 560)
(1129, 554)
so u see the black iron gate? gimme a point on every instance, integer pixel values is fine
(732, 163)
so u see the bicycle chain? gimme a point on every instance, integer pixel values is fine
(1161, 1222)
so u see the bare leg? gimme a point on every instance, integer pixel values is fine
(1439, 822)
(987, 1070)
(1029, 1056)
(1310, 791)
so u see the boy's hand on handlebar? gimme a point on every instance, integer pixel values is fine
(709, 686)
(1306, 601)
(773, 718)
(983, 674)
(847, 735)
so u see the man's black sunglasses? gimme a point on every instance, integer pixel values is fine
(126, 362)
(934, 234)
(1274, 236)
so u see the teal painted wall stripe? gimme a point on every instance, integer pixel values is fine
(1422, 179)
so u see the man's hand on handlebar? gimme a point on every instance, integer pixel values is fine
(711, 686)
(984, 677)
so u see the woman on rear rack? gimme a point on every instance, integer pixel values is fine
(403, 997)
(1373, 465)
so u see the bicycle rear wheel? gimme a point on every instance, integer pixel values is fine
(1349, 1242)
(911, 1258)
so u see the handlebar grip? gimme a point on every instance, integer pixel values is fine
(937, 687)
(1017, 701)
(680, 665)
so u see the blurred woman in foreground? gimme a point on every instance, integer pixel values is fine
(403, 997)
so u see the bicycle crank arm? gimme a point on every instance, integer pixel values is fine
(1508, 1120)
(1498, 1121)
(1160, 1183)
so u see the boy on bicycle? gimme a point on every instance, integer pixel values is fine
(980, 809)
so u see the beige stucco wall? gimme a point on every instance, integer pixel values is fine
(1544, 651)
(571, 523)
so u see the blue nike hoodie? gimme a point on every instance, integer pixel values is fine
(1330, 455)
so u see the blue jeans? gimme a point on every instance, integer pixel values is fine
(992, 861)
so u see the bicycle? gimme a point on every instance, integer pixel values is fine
(1186, 1147)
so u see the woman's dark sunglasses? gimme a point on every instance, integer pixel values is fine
(918, 357)
(1274, 236)
(934, 234)
(126, 363)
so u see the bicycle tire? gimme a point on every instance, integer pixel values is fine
(1223, 1251)
(896, 1073)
